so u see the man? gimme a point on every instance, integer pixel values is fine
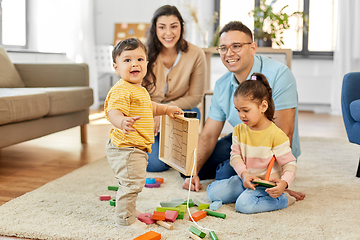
(237, 52)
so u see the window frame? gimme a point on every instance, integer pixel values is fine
(304, 53)
(26, 46)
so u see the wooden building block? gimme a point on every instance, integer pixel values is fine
(113, 202)
(151, 235)
(215, 214)
(178, 139)
(215, 205)
(158, 216)
(181, 215)
(193, 236)
(165, 224)
(170, 204)
(198, 215)
(159, 179)
(105, 197)
(196, 201)
(197, 232)
(191, 204)
(171, 216)
(113, 188)
(202, 206)
(146, 218)
(213, 235)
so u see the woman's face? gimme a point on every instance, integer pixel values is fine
(168, 30)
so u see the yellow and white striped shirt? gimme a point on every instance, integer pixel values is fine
(132, 101)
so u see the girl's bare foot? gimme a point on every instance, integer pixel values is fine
(297, 195)
(137, 213)
(136, 225)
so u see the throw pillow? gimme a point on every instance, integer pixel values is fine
(9, 76)
(355, 110)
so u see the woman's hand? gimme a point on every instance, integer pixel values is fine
(156, 125)
(278, 190)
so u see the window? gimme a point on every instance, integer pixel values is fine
(13, 23)
(320, 38)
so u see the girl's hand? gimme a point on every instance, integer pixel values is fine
(278, 189)
(156, 125)
(127, 123)
(172, 110)
(247, 179)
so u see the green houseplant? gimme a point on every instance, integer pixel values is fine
(268, 25)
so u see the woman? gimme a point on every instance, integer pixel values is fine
(176, 71)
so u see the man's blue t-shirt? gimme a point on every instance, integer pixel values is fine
(283, 85)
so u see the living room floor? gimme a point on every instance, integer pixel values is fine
(29, 165)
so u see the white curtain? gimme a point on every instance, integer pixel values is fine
(67, 26)
(347, 51)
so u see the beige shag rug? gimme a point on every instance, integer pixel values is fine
(69, 208)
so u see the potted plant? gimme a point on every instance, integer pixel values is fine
(268, 25)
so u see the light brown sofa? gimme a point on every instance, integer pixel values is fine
(40, 99)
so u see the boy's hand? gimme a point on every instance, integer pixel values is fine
(127, 123)
(278, 190)
(247, 179)
(172, 110)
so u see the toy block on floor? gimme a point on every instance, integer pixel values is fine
(171, 216)
(150, 180)
(177, 200)
(213, 235)
(215, 205)
(113, 188)
(171, 204)
(165, 224)
(105, 197)
(159, 179)
(181, 215)
(158, 215)
(146, 218)
(194, 237)
(196, 202)
(215, 214)
(151, 235)
(191, 204)
(153, 185)
(202, 206)
(198, 215)
(163, 209)
(113, 202)
(197, 232)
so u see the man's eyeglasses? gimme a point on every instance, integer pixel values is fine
(235, 47)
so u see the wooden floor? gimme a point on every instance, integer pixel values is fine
(29, 165)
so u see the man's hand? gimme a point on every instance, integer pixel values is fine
(195, 183)
(156, 125)
(278, 190)
(127, 123)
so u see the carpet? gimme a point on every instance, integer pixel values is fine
(69, 208)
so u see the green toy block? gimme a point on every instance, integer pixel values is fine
(181, 215)
(191, 204)
(197, 232)
(113, 202)
(215, 214)
(213, 235)
(163, 209)
(202, 206)
(113, 188)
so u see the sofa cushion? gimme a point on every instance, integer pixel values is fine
(9, 76)
(20, 104)
(355, 110)
(68, 99)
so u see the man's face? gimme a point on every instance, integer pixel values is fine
(240, 63)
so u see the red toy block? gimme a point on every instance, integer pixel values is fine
(171, 216)
(159, 179)
(146, 218)
(198, 215)
(151, 235)
(159, 216)
(105, 197)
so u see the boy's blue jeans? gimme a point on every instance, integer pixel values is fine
(154, 163)
(246, 200)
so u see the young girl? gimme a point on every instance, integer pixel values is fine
(254, 143)
(129, 108)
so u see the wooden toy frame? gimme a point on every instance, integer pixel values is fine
(178, 139)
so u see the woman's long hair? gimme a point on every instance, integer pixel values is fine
(154, 45)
